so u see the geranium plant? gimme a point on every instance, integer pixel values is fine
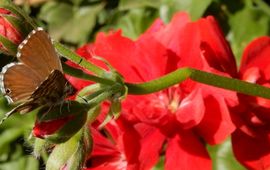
(156, 102)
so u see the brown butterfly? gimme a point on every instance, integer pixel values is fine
(37, 78)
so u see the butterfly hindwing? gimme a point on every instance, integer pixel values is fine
(18, 82)
(51, 89)
(49, 93)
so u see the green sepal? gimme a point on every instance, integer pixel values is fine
(61, 110)
(68, 130)
(93, 113)
(77, 160)
(19, 24)
(115, 108)
(71, 154)
(11, 48)
(78, 116)
(40, 148)
(7, 4)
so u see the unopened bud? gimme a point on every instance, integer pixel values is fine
(61, 122)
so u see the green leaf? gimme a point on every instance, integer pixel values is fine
(8, 136)
(23, 163)
(31, 163)
(3, 104)
(195, 8)
(160, 164)
(85, 17)
(77, 2)
(127, 4)
(135, 22)
(70, 23)
(223, 158)
(246, 25)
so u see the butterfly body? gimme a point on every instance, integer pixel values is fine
(37, 79)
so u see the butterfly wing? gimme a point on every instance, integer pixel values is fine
(38, 53)
(52, 90)
(49, 92)
(38, 79)
(17, 82)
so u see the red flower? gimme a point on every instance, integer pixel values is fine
(180, 116)
(119, 149)
(8, 30)
(251, 141)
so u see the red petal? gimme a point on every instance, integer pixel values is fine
(216, 49)
(185, 151)
(151, 145)
(102, 146)
(256, 55)
(252, 152)
(191, 109)
(216, 125)
(156, 26)
(42, 129)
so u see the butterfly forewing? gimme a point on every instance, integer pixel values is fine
(38, 53)
(18, 82)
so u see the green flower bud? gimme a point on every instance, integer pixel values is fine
(61, 122)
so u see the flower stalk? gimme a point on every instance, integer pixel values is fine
(79, 73)
(68, 54)
(199, 76)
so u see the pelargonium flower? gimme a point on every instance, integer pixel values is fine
(186, 116)
(119, 150)
(251, 141)
(7, 30)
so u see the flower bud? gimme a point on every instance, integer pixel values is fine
(10, 37)
(59, 123)
(72, 154)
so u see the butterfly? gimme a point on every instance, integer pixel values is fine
(37, 78)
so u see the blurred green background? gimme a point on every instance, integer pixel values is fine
(76, 22)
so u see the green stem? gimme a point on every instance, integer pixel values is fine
(80, 74)
(163, 82)
(68, 54)
(200, 76)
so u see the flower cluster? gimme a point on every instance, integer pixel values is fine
(251, 140)
(178, 122)
(175, 124)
